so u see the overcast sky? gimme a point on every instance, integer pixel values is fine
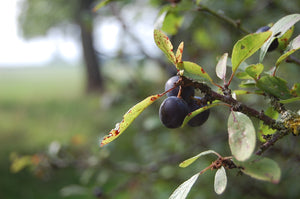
(15, 51)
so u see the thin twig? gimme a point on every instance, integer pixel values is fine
(234, 23)
(292, 59)
(275, 137)
(282, 130)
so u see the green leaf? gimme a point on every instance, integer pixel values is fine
(243, 75)
(179, 52)
(196, 112)
(193, 71)
(198, 2)
(295, 99)
(240, 92)
(221, 67)
(101, 4)
(183, 190)
(220, 181)
(274, 86)
(261, 168)
(241, 136)
(265, 129)
(162, 41)
(242, 66)
(246, 47)
(247, 84)
(254, 70)
(172, 22)
(128, 118)
(283, 41)
(278, 30)
(189, 161)
(293, 47)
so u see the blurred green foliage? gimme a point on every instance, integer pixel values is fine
(46, 115)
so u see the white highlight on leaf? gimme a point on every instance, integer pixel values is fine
(220, 181)
(182, 191)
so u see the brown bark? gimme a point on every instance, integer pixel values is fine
(93, 73)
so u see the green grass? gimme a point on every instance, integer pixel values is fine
(39, 106)
(36, 84)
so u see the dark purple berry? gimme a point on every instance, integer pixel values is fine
(199, 119)
(263, 29)
(274, 44)
(172, 112)
(186, 93)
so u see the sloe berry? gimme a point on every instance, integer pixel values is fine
(274, 44)
(201, 117)
(172, 112)
(186, 93)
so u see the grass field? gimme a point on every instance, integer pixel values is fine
(39, 106)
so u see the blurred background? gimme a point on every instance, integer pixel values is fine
(67, 76)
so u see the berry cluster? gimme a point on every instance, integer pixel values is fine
(176, 107)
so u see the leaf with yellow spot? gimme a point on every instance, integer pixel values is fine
(163, 42)
(255, 70)
(128, 118)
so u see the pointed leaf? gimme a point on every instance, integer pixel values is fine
(183, 190)
(193, 71)
(101, 4)
(243, 75)
(128, 118)
(196, 112)
(293, 47)
(241, 136)
(189, 161)
(221, 67)
(261, 168)
(274, 86)
(220, 181)
(295, 99)
(246, 47)
(179, 52)
(278, 30)
(254, 70)
(162, 41)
